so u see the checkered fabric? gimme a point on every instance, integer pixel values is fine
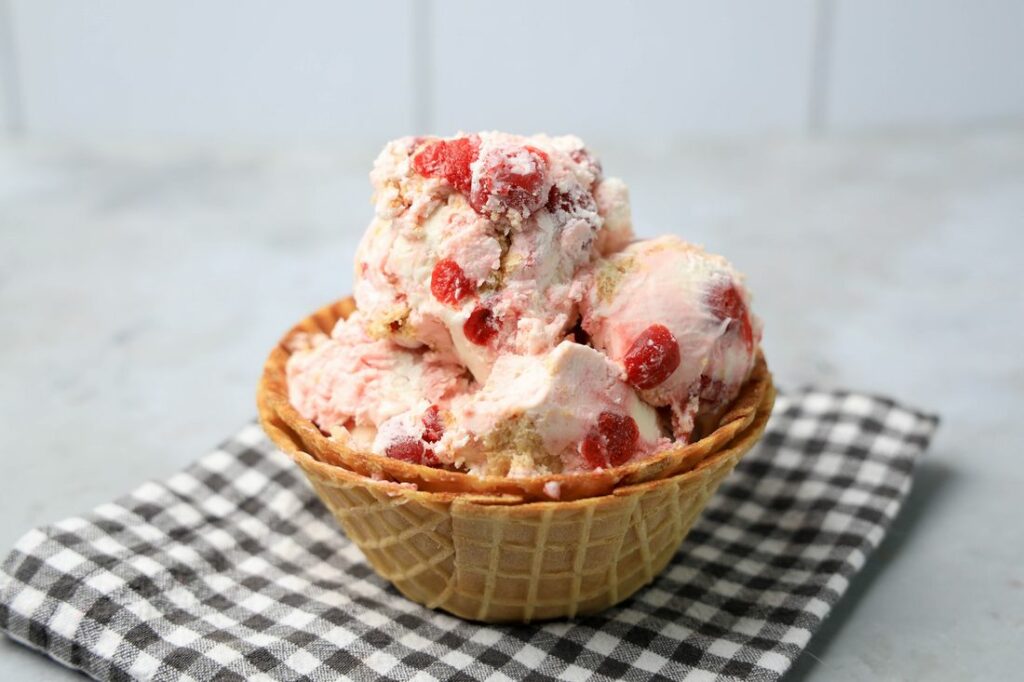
(232, 570)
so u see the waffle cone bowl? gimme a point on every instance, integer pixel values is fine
(497, 549)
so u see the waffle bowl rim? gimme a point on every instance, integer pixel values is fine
(278, 416)
(330, 473)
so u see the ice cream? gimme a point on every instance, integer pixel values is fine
(564, 410)
(348, 381)
(507, 324)
(677, 320)
(478, 242)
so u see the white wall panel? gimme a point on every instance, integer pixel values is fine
(8, 94)
(5, 104)
(925, 62)
(637, 70)
(216, 67)
(607, 69)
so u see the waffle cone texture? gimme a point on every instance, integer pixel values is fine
(496, 549)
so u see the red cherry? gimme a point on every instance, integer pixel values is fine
(652, 358)
(727, 304)
(611, 442)
(448, 159)
(593, 450)
(481, 326)
(621, 434)
(448, 282)
(514, 177)
(406, 449)
(576, 200)
(412, 450)
(433, 425)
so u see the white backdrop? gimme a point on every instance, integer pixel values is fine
(639, 71)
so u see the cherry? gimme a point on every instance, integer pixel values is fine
(448, 282)
(407, 449)
(433, 425)
(652, 358)
(611, 442)
(449, 160)
(514, 177)
(481, 326)
(576, 200)
(727, 304)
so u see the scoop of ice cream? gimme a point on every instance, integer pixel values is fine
(561, 411)
(479, 241)
(677, 321)
(350, 380)
(612, 197)
(484, 252)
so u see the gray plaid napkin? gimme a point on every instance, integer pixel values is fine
(233, 570)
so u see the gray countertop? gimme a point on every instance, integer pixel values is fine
(141, 286)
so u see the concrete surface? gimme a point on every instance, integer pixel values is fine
(141, 286)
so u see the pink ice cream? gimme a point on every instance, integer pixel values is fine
(506, 324)
(563, 410)
(677, 321)
(348, 380)
(479, 240)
